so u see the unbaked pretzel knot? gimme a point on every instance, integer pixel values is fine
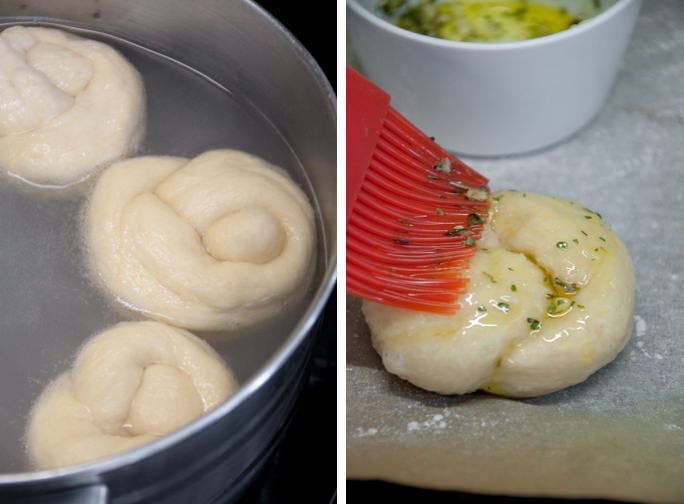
(68, 105)
(551, 301)
(129, 385)
(219, 241)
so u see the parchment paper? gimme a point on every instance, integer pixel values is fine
(620, 434)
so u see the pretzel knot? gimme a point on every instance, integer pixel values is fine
(129, 385)
(219, 241)
(68, 105)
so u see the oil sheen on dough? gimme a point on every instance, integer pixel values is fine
(217, 242)
(551, 301)
(68, 105)
(129, 385)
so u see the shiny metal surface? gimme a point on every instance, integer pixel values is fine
(264, 69)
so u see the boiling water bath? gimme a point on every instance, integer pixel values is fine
(50, 304)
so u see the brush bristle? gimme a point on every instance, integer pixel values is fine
(415, 222)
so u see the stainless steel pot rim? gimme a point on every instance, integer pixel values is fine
(88, 473)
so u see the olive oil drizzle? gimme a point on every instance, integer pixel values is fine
(480, 21)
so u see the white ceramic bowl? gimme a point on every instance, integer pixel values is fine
(495, 99)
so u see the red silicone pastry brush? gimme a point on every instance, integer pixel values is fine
(414, 211)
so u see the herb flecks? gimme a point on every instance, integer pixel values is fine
(567, 288)
(562, 244)
(472, 193)
(535, 325)
(591, 212)
(490, 276)
(559, 306)
(504, 307)
(477, 194)
(443, 165)
(459, 185)
(459, 231)
(474, 219)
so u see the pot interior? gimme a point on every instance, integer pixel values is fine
(51, 304)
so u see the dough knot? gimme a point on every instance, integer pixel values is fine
(219, 241)
(129, 385)
(68, 105)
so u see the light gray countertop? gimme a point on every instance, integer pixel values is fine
(620, 434)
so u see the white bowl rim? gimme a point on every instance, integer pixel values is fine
(576, 30)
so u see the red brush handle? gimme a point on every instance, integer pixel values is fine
(367, 107)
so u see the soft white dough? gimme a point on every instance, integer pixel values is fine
(68, 105)
(129, 385)
(507, 338)
(217, 242)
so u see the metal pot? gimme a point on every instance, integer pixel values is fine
(267, 76)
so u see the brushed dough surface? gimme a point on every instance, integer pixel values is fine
(551, 300)
(68, 105)
(216, 242)
(129, 385)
